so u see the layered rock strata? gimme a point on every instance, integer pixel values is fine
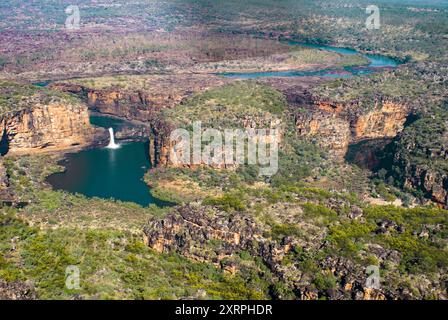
(43, 127)
(335, 126)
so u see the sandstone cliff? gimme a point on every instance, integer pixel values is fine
(417, 158)
(52, 126)
(335, 126)
(36, 119)
(432, 182)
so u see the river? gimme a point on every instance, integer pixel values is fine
(376, 62)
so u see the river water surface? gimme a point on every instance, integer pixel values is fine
(376, 61)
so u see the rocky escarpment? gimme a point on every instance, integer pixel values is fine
(138, 97)
(165, 152)
(192, 229)
(52, 126)
(418, 158)
(335, 126)
(206, 234)
(142, 98)
(376, 107)
(35, 119)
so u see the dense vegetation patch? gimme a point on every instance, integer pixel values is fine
(228, 106)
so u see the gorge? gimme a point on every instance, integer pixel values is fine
(143, 107)
(89, 119)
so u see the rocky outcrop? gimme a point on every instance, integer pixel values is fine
(52, 126)
(16, 291)
(335, 126)
(207, 234)
(163, 150)
(192, 228)
(328, 130)
(432, 182)
(417, 158)
(135, 106)
(143, 96)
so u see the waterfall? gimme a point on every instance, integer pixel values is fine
(112, 144)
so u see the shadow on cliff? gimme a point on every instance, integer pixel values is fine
(4, 143)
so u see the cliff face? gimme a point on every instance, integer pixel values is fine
(432, 182)
(135, 106)
(328, 130)
(50, 126)
(384, 121)
(111, 101)
(417, 158)
(335, 126)
(162, 149)
(332, 125)
(140, 97)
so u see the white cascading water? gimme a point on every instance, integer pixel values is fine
(112, 144)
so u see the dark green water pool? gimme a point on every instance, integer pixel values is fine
(108, 173)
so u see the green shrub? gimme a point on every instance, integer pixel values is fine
(227, 202)
(348, 237)
(324, 281)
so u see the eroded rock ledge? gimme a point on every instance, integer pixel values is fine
(209, 235)
(193, 228)
(138, 97)
(52, 126)
(335, 126)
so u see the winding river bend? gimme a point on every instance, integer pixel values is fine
(376, 62)
(118, 173)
